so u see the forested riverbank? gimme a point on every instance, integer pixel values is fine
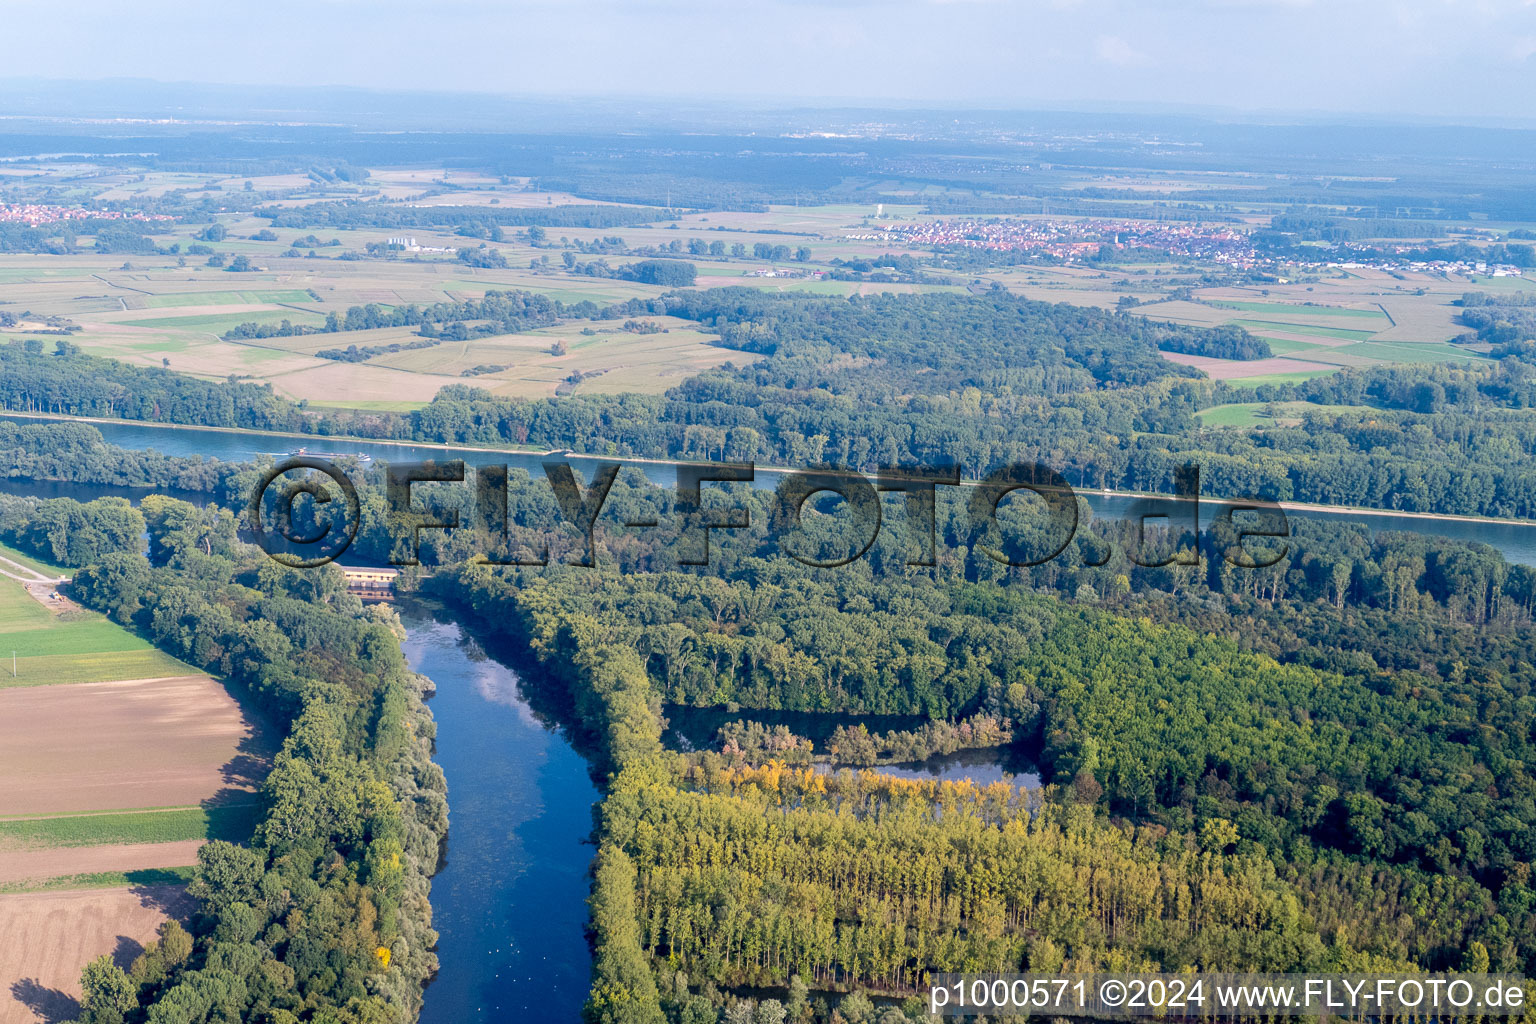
(323, 912)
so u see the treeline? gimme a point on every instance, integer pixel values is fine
(68, 532)
(1060, 202)
(1225, 342)
(1322, 228)
(1507, 321)
(506, 313)
(70, 382)
(75, 452)
(753, 742)
(1510, 253)
(324, 914)
(353, 354)
(353, 214)
(933, 379)
(670, 273)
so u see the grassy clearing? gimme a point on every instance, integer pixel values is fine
(103, 880)
(1278, 378)
(72, 647)
(1256, 414)
(234, 823)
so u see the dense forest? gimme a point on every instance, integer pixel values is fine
(1505, 321)
(1319, 796)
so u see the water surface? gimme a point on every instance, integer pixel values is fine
(510, 900)
(1516, 540)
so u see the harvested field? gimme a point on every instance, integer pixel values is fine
(1232, 369)
(144, 743)
(40, 977)
(20, 868)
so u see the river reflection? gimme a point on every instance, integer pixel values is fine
(983, 766)
(695, 728)
(510, 900)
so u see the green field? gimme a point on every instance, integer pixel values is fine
(1278, 378)
(234, 823)
(73, 647)
(221, 322)
(103, 880)
(1261, 326)
(1283, 309)
(1254, 414)
(227, 298)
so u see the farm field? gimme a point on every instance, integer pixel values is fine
(112, 784)
(1310, 336)
(607, 359)
(40, 978)
(170, 309)
(68, 647)
(1238, 371)
(167, 742)
(166, 316)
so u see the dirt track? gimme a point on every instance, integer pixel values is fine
(49, 937)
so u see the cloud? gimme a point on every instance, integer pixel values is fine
(1115, 50)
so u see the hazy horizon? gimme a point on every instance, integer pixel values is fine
(1463, 61)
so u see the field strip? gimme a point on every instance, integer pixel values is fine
(36, 866)
(87, 669)
(115, 879)
(234, 822)
(120, 810)
(161, 741)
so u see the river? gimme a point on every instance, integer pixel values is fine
(510, 900)
(1516, 540)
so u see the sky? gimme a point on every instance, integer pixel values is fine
(1450, 59)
